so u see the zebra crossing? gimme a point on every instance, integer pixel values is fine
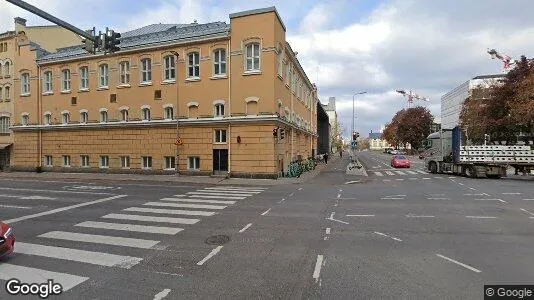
(399, 172)
(163, 218)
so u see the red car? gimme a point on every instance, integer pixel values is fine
(400, 161)
(7, 240)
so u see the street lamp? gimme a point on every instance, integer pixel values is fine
(177, 112)
(353, 116)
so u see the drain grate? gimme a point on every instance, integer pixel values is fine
(217, 239)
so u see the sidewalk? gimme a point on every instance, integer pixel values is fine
(167, 178)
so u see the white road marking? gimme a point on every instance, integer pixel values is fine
(473, 194)
(438, 198)
(171, 211)
(291, 195)
(459, 263)
(432, 195)
(95, 258)
(460, 183)
(485, 199)
(239, 188)
(328, 230)
(210, 255)
(528, 199)
(265, 212)
(399, 179)
(198, 201)
(383, 234)
(389, 173)
(419, 216)
(379, 174)
(528, 212)
(29, 275)
(472, 189)
(480, 217)
(400, 172)
(351, 182)
(162, 294)
(318, 266)
(185, 205)
(283, 199)
(486, 194)
(426, 178)
(451, 177)
(100, 239)
(391, 198)
(54, 191)
(151, 219)
(360, 215)
(14, 206)
(53, 211)
(438, 177)
(212, 190)
(338, 196)
(412, 178)
(299, 189)
(411, 172)
(130, 227)
(245, 228)
(386, 180)
(511, 193)
(213, 196)
(422, 172)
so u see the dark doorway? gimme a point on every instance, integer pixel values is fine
(220, 160)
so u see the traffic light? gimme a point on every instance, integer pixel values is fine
(89, 45)
(112, 41)
(282, 131)
(355, 136)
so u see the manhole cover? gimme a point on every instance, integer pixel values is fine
(217, 240)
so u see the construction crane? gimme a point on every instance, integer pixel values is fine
(410, 96)
(506, 59)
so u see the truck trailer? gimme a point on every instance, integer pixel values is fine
(447, 154)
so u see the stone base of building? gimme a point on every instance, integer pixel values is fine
(254, 175)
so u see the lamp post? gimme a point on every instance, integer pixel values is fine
(177, 112)
(353, 116)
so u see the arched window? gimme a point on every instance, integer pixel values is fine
(124, 115)
(169, 113)
(252, 57)
(169, 68)
(7, 69)
(47, 118)
(84, 117)
(25, 119)
(65, 118)
(103, 115)
(218, 108)
(24, 83)
(7, 93)
(1, 67)
(4, 124)
(145, 113)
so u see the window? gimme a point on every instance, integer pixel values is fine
(83, 117)
(219, 110)
(47, 119)
(146, 162)
(1, 93)
(84, 78)
(220, 136)
(65, 118)
(65, 80)
(124, 71)
(66, 160)
(1, 68)
(7, 70)
(281, 62)
(145, 114)
(125, 162)
(47, 82)
(288, 75)
(7, 93)
(124, 115)
(253, 57)
(193, 163)
(103, 116)
(104, 161)
(103, 74)
(170, 68)
(169, 113)
(25, 120)
(84, 161)
(4, 124)
(146, 70)
(48, 160)
(25, 84)
(193, 65)
(170, 162)
(219, 62)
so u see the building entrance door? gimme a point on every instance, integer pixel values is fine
(220, 160)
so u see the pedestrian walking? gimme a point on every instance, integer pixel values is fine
(341, 153)
(326, 158)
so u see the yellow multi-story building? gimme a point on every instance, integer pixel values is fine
(206, 99)
(17, 48)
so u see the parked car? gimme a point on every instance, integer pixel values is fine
(7, 240)
(400, 161)
(388, 150)
(394, 152)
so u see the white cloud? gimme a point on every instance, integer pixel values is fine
(316, 19)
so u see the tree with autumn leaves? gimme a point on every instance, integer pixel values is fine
(410, 125)
(503, 109)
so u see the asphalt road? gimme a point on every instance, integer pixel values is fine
(407, 235)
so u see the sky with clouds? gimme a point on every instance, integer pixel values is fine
(347, 46)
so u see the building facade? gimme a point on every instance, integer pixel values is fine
(335, 134)
(376, 142)
(17, 47)
(451, 102)
(215, 98)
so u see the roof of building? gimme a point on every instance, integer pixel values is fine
(490, 76)
(375, 135)
(150, 35)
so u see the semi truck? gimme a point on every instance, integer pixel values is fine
(447, 153)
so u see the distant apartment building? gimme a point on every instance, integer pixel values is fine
(204, 99)
(376, 142)
(451, 102)
(18, 49)
(335, 134)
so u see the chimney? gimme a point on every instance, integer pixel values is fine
(20, 24)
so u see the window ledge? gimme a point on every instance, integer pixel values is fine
(66, 166)
(215, 77)
(219, 143)
(84, 90)
(101, 88)
(144, 168)
(104, 167)
(280, 77)
(25, 95)
(287, 85)
(65, 92)
(169, 169)
(148, 83)
(125, 168)
(7, 76)
(168, 81)
(253, 72)
(48, 93)
(124, 85)
(192, 79)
